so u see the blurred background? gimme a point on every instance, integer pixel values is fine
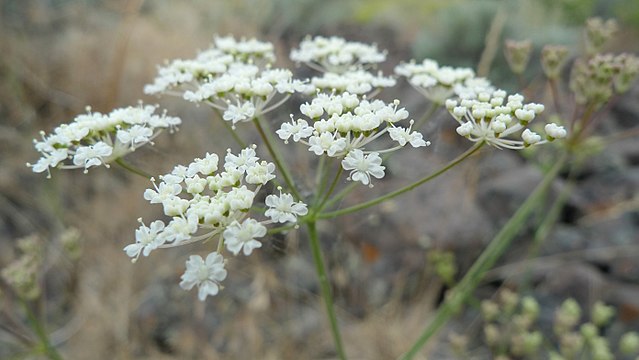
(59, 56)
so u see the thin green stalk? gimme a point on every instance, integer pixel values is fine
(48, 349)
(320, 206)
(486, 260)
(549, 220)
(133, 169)
(406, 188)
(320, 178)
(280, 165)
(325, 288)
(229, 128)
(280, 229)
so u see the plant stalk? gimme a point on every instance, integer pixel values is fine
(486, 260)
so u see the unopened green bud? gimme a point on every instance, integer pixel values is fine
(629, 343)
(525, 343)
(459, 343)
(518, 55)
(509, 300)
(492, 335)
(530, 307)
(568, 314)
(70, 240)
(571, 344)
(600, 349)
(522, 322)
(602, 313)
(30, 246)
(22, 276)
(553, 58)
(489, 310)
(589, 331)
(628, 72)
(598, 33)
(444, 264)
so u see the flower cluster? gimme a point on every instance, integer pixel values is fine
(336, 55)
(342, 125)
(232, 76)
(344, 65)
(434, 82)
(205, 203)
(94, 139)
(595, 81)
(493, 118)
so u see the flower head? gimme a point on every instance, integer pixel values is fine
(362, 166)
(434, 82)
(205, 274)
(204, 203)
(95, 139)
(494, 118)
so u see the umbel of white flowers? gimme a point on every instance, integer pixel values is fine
(204, 204)
(345, 65)
(94, 139)
(495, 118)
(232, 76)
(343, 126)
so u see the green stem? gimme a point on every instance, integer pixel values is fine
(229, 128)
(341, 194)
(133, 169)
(406, 188)
(36, 325)
(486, 260)
(320, 178)
(320, 206)
(280, 229)
(280, 165)
(325, 288)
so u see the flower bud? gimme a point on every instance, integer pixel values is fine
(602, 313)
(629, 343)
(489, 310)
(598, 32)
(553, 58)
(517, 55)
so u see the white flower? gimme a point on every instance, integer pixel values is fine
(260, 173)
(161, 193)
(363, 166)
(135, 135)
(245, 112)
(92, 155)
(326, 142)
(404, 136)
(337, 55)
(241, 237)
(181, 229)
(297, 129)
(207, 275)
(555, 131)
(283, 208)
(146, 239)
(244, 160)
(50, 160)
(529, 137)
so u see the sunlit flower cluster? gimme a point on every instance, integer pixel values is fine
(232, 76)
(336, 55)
(345, 65)
(434, 82)
(204, 203)
(495, 118)
(343, 125)
(94, 139)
